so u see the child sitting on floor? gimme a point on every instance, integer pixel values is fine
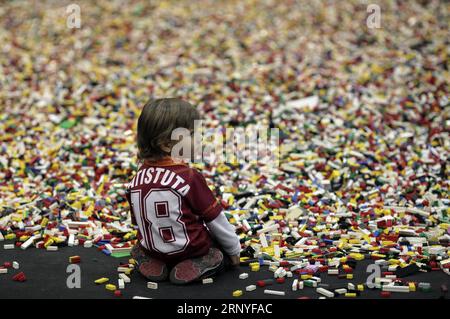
(182, 232)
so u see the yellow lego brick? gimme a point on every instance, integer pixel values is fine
(237, 293)
(89, 210)
(375, 195)
(24, 238)
(293, 255)
(356, 256)
(16, 218)
(393, 261)
(101, 280)
(44, 222)
(277, 217)
(58, 240)
(127, 236)
(49, 243)
(254, 268)
(10, 236)
(76, 205)
(127, 271)
(111, 287)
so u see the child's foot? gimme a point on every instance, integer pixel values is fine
(151, 268)
(195, 269)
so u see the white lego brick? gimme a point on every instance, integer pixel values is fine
(317, 279)
(393, 288)
(123, 269)
(325, 292)
(243, 275)
(301, 285)
(71, 241)
(341, 291)
(277, 252)
(250, 288)
(295, 285)
(29, 241)
(274, 292)
(125, 278)
(88, 244)
(152, 285)
(263, 240)
(333, 272)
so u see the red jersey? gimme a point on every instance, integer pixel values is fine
(170, 203)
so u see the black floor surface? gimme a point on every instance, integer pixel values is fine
(46, 278)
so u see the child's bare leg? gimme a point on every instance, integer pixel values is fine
(151, 268)
(195, 269)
